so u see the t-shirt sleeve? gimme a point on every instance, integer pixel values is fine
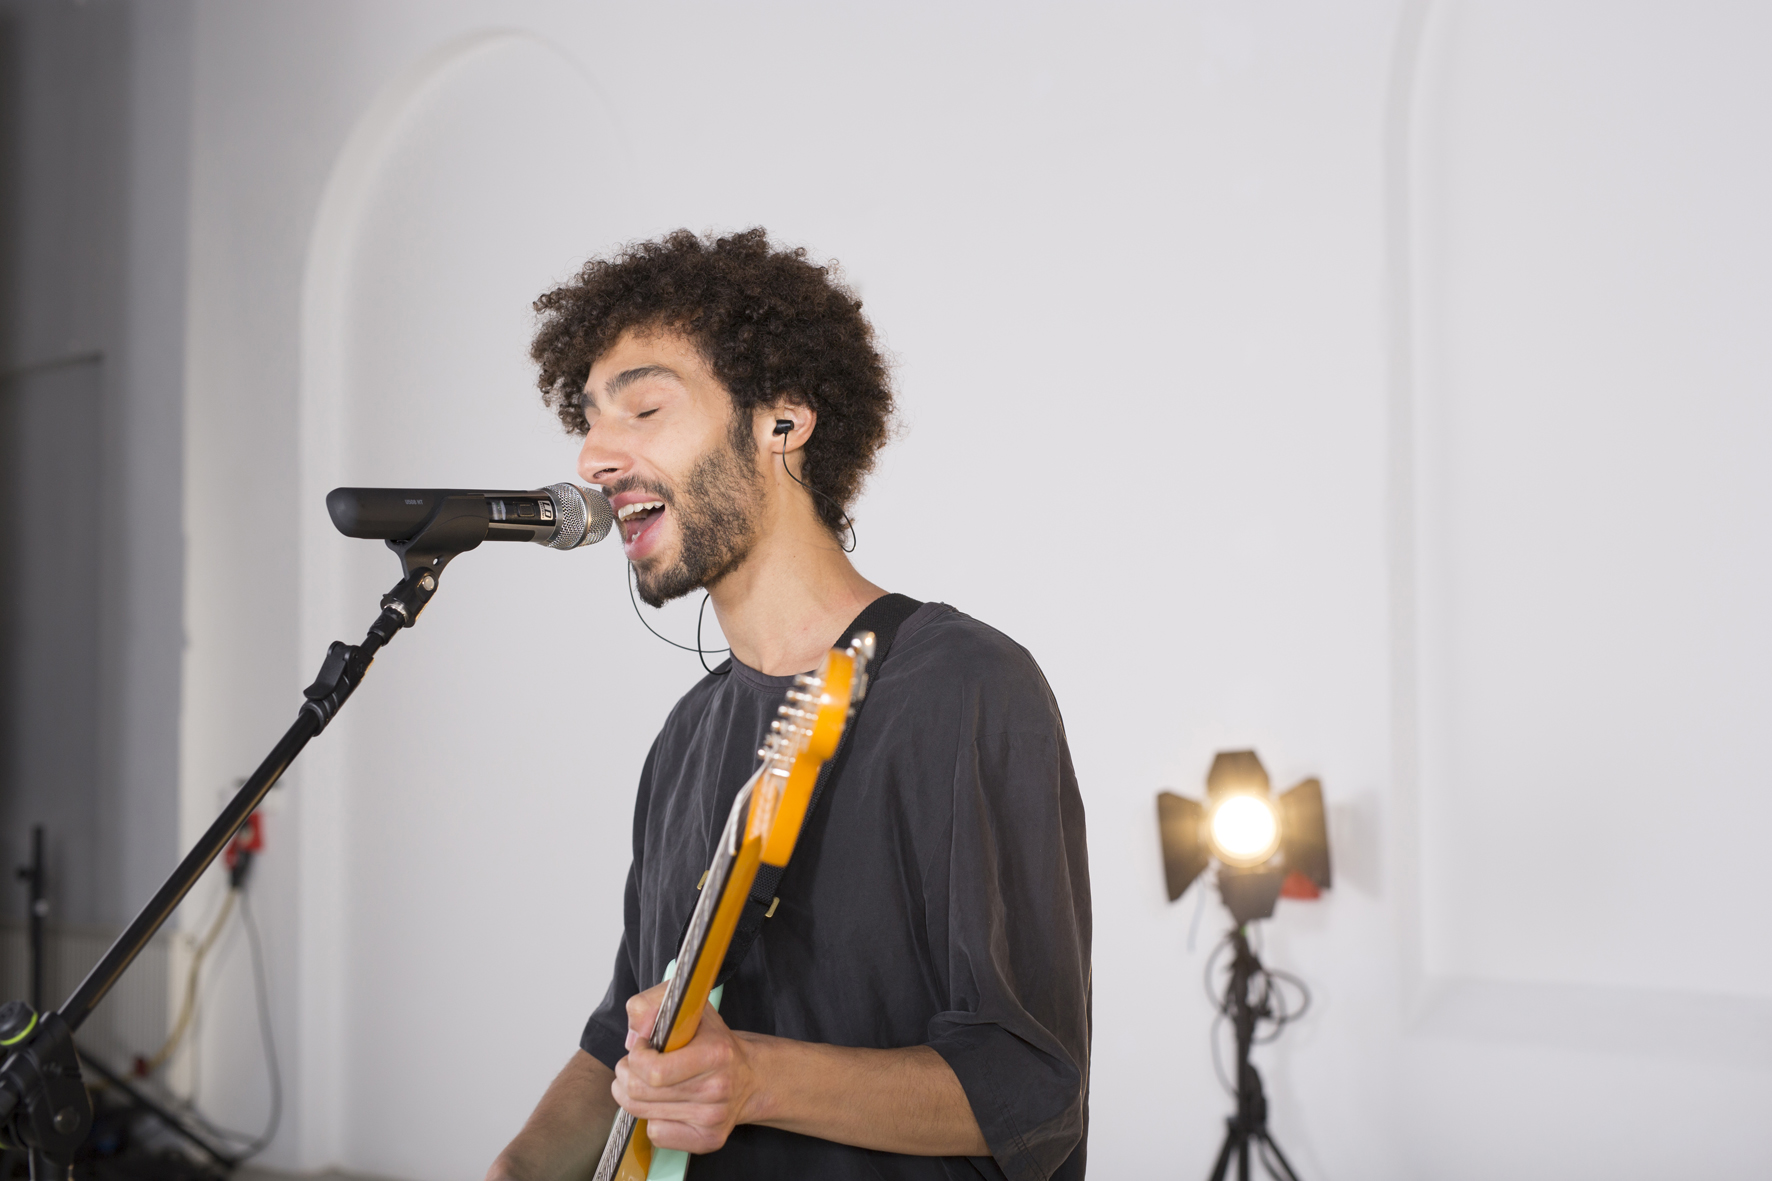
(1017, 919)
(606, 1033)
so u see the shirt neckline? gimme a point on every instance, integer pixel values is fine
(763, 682)
(760, 680)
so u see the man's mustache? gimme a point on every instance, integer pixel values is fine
(634, 484)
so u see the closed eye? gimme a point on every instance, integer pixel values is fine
(647, 413)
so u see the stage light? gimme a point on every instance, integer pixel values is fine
(1266, 847)
(1244, 830)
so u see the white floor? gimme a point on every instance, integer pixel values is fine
(253, 1173)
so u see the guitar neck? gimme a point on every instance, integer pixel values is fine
(701, 922)
(687, 984)
(763, 825)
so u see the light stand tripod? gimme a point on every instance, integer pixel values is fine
(44, 1107)
(1247, 1129)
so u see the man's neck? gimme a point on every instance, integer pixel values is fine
(790, 599)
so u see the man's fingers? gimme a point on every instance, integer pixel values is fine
(642, 1012)
(697, 1071)
(685, 1137)
(711, 1021)
(689, 1097)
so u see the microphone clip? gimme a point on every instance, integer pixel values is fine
(457, 525)
(346, 664)
(409, 597)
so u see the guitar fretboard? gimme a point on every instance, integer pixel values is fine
(694, 939)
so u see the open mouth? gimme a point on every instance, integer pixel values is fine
(637, 517)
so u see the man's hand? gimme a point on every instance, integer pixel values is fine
(692, 1097)
(905, 1100)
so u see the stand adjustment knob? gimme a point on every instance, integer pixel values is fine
(17, 1020)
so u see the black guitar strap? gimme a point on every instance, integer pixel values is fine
(882, 617)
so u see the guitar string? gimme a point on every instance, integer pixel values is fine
(700, 923)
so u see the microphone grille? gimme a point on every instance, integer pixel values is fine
(585, 516)
(599, 516)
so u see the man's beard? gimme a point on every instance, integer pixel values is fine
(716, 527)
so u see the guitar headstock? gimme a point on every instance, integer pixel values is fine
(805, 734)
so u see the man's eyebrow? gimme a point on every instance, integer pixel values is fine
(628, 377)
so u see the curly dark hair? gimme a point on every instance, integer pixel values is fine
(771, 324)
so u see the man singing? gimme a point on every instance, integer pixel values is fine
(918, 1005)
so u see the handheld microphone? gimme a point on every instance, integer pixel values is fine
(560, 516)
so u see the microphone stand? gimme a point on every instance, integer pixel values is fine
(44, 1107)
(34, 876)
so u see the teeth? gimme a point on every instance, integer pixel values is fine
(639, 506)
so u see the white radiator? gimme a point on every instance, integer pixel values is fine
(132, 1020)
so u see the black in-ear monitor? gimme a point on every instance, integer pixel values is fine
(783, 428)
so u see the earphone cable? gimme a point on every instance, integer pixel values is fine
(848, 521)
(700, 652)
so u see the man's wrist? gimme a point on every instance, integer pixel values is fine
(903, 1100)
(762, 1055)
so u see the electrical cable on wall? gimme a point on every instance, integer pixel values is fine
(241, 1146)
(250, 1145)
(188, 1007)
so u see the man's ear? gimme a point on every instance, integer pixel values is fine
(785, 426)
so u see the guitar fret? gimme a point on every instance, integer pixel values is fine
(699, 922)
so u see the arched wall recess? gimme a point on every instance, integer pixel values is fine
(473, 181)
(330, 257)
(1568, 647)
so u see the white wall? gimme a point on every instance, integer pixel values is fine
(1589, 561)
(94, 118)
(1215, 328)
(1596, 513)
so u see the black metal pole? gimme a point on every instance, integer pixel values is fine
(35, 877)
(339, 677)
(1251, 1101)
(1246, 1132)
(79, 1006)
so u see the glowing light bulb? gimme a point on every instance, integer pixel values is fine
(1245, 830)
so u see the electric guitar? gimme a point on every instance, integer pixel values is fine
(761, 829)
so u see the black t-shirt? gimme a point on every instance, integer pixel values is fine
(939, 896)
